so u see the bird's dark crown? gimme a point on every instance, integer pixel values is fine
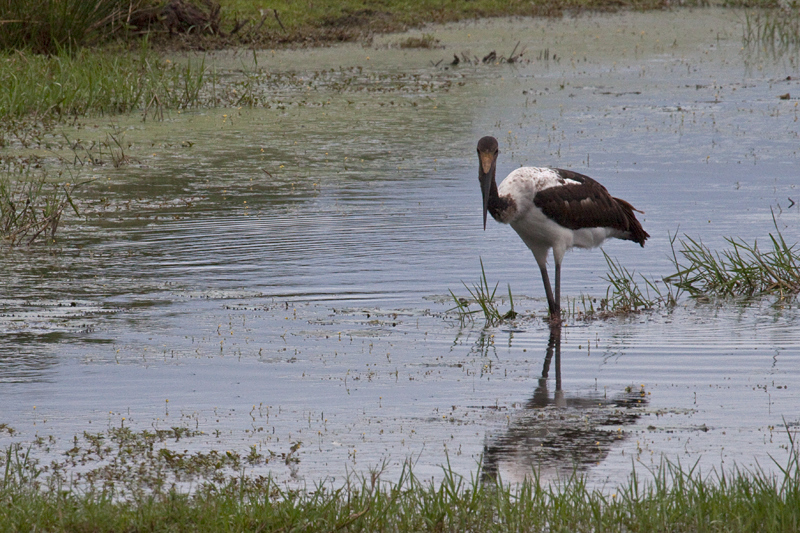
(488, 144)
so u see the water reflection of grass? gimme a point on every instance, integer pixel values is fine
(670, 497)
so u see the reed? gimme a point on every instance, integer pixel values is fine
(741, 270)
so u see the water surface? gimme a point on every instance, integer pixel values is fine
(280, 274)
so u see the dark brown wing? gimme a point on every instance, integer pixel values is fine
(587, 204)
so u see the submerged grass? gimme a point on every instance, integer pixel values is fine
(669, 497)
(775, 29)
(32, 203)
(742, 270)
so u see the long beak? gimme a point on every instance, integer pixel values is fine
(486, 171)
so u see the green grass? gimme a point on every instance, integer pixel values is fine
(347, 19)
(53, 26)
(72, 81)
(670, 497)
(741, 270)
(49, 26)
(94, 82)
(624, 294)
(484, 296)
(425, 41)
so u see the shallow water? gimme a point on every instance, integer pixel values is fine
(280, 274)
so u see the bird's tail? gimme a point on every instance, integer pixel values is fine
(636, 232)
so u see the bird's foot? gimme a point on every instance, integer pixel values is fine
(554, 319)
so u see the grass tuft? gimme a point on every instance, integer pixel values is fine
(624, 295)
(425, 41)
(95, 82)
(53, 26)
(742, 270)
(484, 296)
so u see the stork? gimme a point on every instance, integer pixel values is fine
(554, 208)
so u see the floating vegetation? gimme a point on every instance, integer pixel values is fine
(425, 41)
(489, 59)
(742, 270)
(484, 297)
(31, 204)
(669, 497)
(133, 463)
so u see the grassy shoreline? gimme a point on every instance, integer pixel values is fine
(130, 70)
(215, 24)
(308, 23)
(669, 498)
(291, 23)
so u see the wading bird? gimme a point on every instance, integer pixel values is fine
(554, 208)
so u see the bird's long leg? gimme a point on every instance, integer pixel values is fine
(557, 295)
(551, 302)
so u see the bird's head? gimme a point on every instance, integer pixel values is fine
(487, 157)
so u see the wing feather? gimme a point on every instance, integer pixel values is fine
(584, 203)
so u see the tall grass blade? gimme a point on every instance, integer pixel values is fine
(742, 270)
(484, 296)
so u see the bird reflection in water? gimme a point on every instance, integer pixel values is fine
(555, 433)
